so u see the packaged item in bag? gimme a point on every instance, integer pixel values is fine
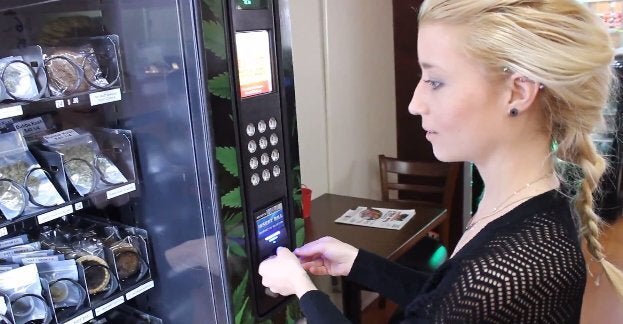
(81, 67)
(17, 80)
(62, 277)
(24, 186)
(86, 167)
(23, 287)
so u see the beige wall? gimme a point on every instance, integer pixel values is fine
(344, 75)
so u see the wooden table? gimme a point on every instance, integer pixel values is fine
(384, 242)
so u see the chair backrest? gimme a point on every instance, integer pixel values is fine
(427, 180)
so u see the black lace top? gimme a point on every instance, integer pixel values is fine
(524, 267)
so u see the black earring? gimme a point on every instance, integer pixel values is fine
(514, 112)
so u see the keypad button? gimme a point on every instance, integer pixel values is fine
(252, 146)
(265, 159)
(274, 139)
(255, 179)
(276, 171)
(250, 129)
(275, 155)
(266, 175)
(253, 163)
(263, 142)
(261, 126)
(272, 123)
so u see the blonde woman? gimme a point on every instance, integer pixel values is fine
(503, 81)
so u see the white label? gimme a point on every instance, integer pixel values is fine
(103, 97)
(112, 304)
(30, 126)
(78, 206)
(59, 103)
(75, 100)
(3, 231)
(143, 288)
(83, 318)
(52, 215)
(11, 112)
(61, 136)
(120, 191)
(42, 259)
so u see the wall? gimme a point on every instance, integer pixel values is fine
(344, 74)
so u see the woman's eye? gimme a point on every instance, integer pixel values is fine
(433, 84)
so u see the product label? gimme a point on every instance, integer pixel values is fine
(59, 103)
(42, 259)
(110, 305)
(120, 191)
(3, 232)
(103, 97)
(11, 112)
(14, 241)
(61, 136)
(83, 318)
(52, 215)
(143, 288)
(30, 126)
(78, 206)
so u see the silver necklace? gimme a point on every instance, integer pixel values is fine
(501, 206)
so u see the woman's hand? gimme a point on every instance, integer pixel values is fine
(284, 275)
(327, 256)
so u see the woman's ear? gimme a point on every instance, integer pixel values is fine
(523, 94)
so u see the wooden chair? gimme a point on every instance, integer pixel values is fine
(424, 182)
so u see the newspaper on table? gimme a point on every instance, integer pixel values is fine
(377, 217)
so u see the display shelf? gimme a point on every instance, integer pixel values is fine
(110, 303)
(49, 214)
(46, 105)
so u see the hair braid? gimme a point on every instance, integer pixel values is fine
(593, 166)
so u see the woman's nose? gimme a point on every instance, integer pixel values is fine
(416, 106)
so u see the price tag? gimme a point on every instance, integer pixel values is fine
(110, 305)
(30, 126)
(11, 112)
(59, 103)
(82, 318)
(61, 136)
(3, 232)
(137, 291)
(120, 191)
(78, 206)
(52, 215)
(103, 97)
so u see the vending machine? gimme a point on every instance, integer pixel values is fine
(148, 160)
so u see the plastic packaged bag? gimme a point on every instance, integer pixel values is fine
(24, 186)
(23, 287)
(86, 167)
(17, 80)
(65, 289)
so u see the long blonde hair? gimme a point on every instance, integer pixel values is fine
(565, 47)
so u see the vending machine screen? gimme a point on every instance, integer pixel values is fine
(255, 72)
(271, 230)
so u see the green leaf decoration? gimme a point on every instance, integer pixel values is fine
(214, 38)
(219, 86)
(236, 249)
(240, 313)
(289, 317)
(215, 7)
(236, 232)
(232, 199)
(227, 157)
(299, 225)
(231, 221)
(240, 292)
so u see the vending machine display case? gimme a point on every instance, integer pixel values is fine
(169, 91)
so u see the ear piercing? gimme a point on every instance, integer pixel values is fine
(514, 112)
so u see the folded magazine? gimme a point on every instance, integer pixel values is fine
(377, 217)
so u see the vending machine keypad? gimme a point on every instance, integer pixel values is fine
(265, 158)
